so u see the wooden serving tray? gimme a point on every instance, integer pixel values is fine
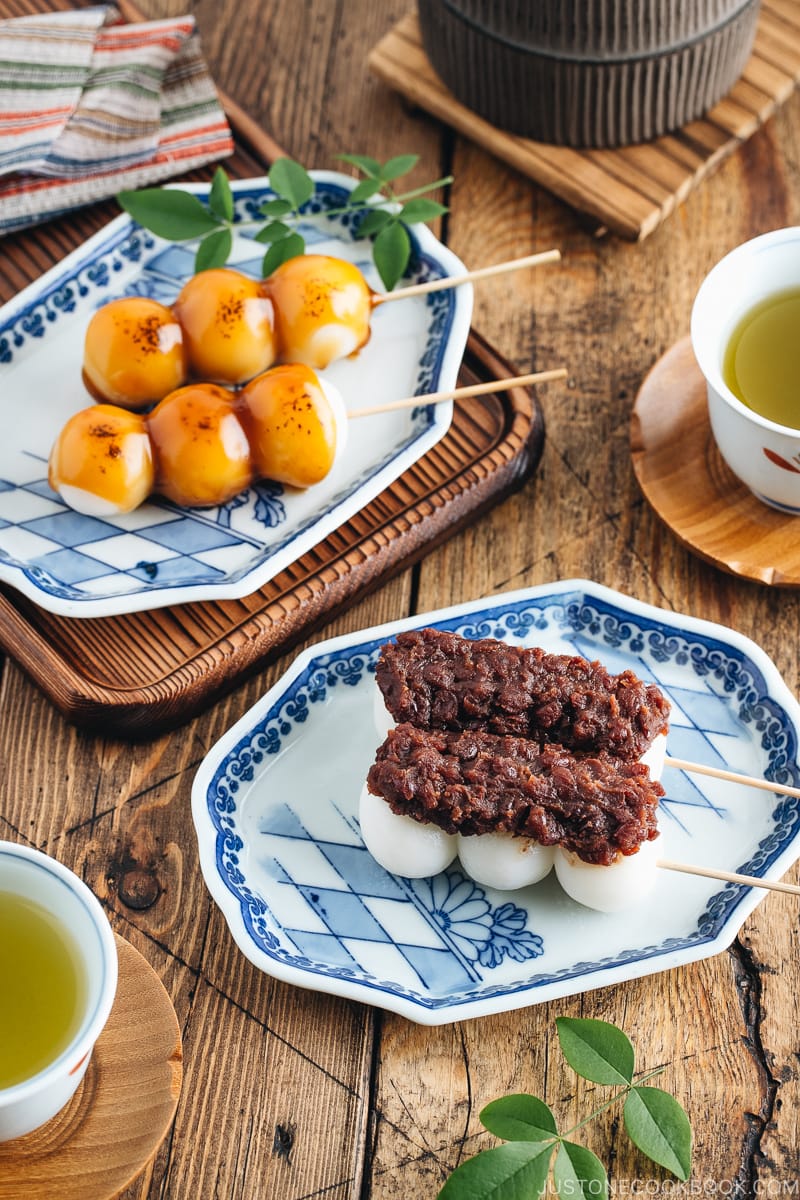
(629, 191)
(138, 674)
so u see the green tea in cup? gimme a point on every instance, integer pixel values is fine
(43, 992)
(762, 359)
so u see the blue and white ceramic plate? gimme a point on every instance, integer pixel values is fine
(161, 554)
(275, 806)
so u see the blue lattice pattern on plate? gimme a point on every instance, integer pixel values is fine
(472, 945)
(132, 562)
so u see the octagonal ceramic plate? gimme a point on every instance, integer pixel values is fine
(275, 807)
(161, 554)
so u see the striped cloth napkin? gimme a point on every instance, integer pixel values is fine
(89, 106)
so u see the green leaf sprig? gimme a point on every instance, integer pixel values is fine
(519, 1170)
(385, 213)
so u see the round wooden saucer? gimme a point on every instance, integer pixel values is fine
(122, 1109)
(686, 480)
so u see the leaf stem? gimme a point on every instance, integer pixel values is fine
(420, 191)
(612, 1100)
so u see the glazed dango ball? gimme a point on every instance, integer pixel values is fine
(200, 449)
(134, 353)
(297, 424)
(102, 463)
(202, 444)
(322, 307)
(228, 326)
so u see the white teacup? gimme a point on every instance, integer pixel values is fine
(40, 880)
(762, 453)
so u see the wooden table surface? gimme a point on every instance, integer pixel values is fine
(289, 1093)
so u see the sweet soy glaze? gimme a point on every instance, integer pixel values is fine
(762, 359)
(43, 990)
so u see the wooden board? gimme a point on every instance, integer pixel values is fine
(684, 477)
(631, 190)
(119, 1115)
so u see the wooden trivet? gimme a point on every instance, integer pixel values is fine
(629, 191)
(122, 1109)
(685, 479)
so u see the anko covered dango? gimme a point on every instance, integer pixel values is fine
(228, 326)
(202, 444)
(514, 805)
(323, 307)
(134, 353)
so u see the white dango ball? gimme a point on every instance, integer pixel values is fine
(382, 718)
(505, 862)
(400, 844)
(623, 884)
(655, 756)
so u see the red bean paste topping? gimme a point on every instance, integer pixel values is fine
(437, 680)
(473, 782)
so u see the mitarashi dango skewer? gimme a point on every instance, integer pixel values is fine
(226, 327)
(203, 443)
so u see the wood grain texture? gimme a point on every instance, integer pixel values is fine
(631, 190)
(290, 1094)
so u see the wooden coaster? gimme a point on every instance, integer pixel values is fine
(686, 480)
(630, 190)
(122, 1109)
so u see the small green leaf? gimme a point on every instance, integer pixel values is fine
(519, 1118)
(657, 1124)
(401, 164)
(281, 252)
(391, 252)
(220, 198)
(169, 213)
(578, 1173)
(374, 220)
(275, 208)
(291, 181)
(421, 209)
(214, 249)
(364, 191)
(272, 232)
(368, 166)
(516, 1171)
(597, 1050)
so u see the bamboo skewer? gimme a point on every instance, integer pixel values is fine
(441, 285)
(729, 876)
(765, 785)
(462, 393)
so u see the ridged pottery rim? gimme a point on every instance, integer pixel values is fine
(620, 100)
(601, 50)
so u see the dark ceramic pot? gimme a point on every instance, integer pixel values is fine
(589, 72)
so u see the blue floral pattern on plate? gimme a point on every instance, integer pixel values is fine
(161, 554)
(275, 807)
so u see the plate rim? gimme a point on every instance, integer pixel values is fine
(19, 576)
(522, 996)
